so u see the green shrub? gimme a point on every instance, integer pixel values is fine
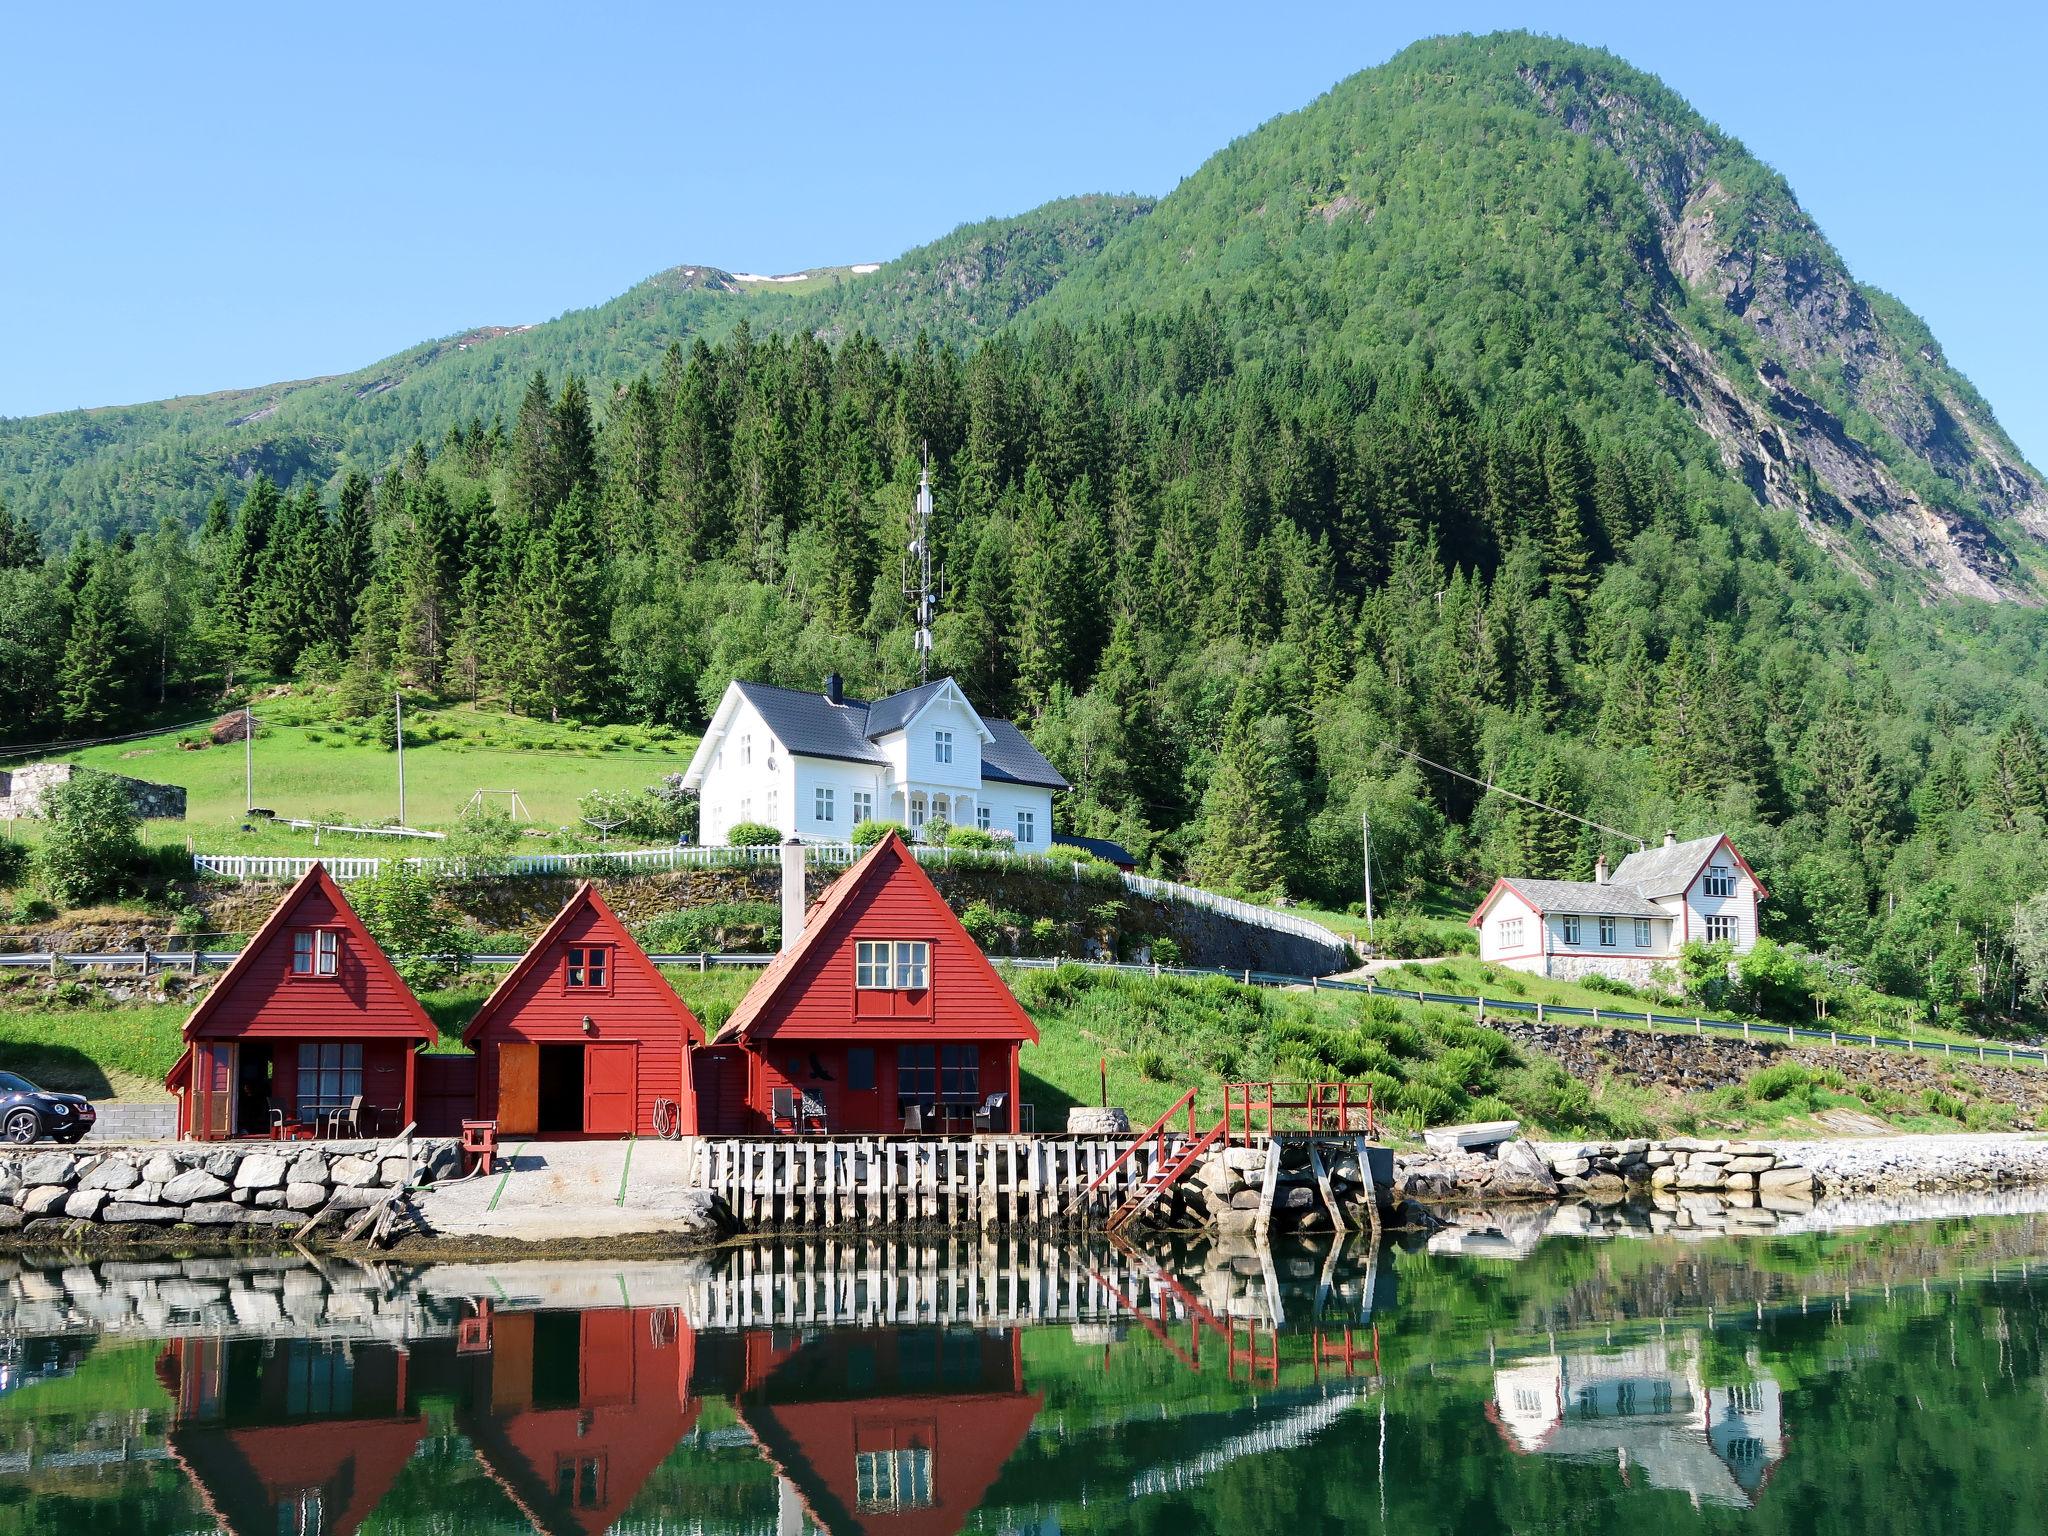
(1165, 952)
(982, 925)
(1403, 937)
(1045, 936)
(752, 834)
(1613, 986)
(91, 850)
(397, 905)
(718, 926)
(13, 863)
(1152, 1065)
(970, 837)
(936, 831)
(1946, 1105)
(1769, 1084)
(869, 833)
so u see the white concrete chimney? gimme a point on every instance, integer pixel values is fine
(1670, 838)
(1600, 870)
(793, 902)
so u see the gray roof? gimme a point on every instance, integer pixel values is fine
(811, 725)
(1101, 847)
(1666, 869)
(1585, 898)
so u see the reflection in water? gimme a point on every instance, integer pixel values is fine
(1638, 1388)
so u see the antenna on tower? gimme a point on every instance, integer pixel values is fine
(920, 589)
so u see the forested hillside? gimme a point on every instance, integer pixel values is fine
(1373, 438)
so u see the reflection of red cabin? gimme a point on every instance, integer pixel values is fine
(896, 1433)
(584, 1034)
(288, 1435)
(309, 1015)
(582, 1407)
(883, 1003)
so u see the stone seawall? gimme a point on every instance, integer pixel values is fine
(225, 1190)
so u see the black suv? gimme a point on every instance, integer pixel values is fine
(27, 1113)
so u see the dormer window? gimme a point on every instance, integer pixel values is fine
(1720, 880)
(942, 746)
(316, 952)
(589, 967)
(899, 965)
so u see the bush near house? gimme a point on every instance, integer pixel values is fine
(91, 850)
(752, 834)
(869, 833)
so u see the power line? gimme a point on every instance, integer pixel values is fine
(1495, 789)
(31, 748)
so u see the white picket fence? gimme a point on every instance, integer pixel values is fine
(823, 855)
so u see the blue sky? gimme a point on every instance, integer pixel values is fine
(197, 197)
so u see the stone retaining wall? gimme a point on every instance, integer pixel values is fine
(1740, 1172)
(225, 1189)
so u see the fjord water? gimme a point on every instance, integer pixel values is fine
(1873, 1380)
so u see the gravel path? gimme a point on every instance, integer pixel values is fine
(1869, 1164)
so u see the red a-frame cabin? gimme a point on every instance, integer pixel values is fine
(309, 1016)
(882, 1005)
(584, 1036)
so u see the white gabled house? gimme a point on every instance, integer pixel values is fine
(1625, 924)
(816, 765)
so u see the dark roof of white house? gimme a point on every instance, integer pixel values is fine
(1666, 869)
(1583, 898)
(811, 725)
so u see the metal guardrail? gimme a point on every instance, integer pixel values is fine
(822, 855)
(1750, 1029)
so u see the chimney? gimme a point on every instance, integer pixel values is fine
(835, 688)
(1600, 870)
(1670, 838)
(793, 902)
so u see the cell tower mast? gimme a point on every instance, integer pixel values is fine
(920, 589)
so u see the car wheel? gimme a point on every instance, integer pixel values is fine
(22, 1125)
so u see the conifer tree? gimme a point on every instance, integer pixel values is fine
(2017, 786)
(1243, 844)
(565, 618)
(95, 682)
(354, 551)
(535, 488)
(19, 546)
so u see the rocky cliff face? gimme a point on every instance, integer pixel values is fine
(1926, 474)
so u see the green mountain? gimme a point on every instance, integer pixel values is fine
(127, 466)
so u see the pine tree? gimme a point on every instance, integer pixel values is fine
(95, 682)
(1243, 843)
(565, 616)
(535, 488)
(354, 552)
(1042, 580)
(2018, 783)
(19, 546)
(572, 447)
(1547, 843)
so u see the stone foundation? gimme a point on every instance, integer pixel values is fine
(1636, 970)
(226, 1189)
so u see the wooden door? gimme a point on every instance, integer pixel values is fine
(609, 1080)
(518, 1088)
(860, 1091)
(213, 1091)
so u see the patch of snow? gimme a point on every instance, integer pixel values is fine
(757, 277)
(865, 267)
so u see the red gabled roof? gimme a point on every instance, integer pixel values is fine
(629, 952)
(373, 957)
(890, 859)
(1735, 853)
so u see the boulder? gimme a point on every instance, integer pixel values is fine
(308, 1168)
(1692, 1144)
(1232, 1221)
(1786, 1181)
(305, 1196)
(51, 1168)
(261, 1170)
(160, 1169)
(354, 1172)
(268, 1199)
(128, 1210)
(220, 1164)
(114, 1173)
(1296, 1197)
(1751, 1164)
(1606, 1189)
(1568, 1167)
(215, 1213)
(10, 1218)
(1741, 1181)
(1665, 1177)
(194, 1184)
(701, 1213)
(395, 1172)
(1085, 1120)
(85, 1204)
(1659, 1157)
(1246, 1160)
(440, 1160)
(41, 1199)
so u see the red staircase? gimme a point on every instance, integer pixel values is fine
(1163, 1158)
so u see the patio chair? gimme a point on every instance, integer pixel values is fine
(913, 1120)
(347, 1117)
(993, 1114)
(810, 1113)
(782, 1109)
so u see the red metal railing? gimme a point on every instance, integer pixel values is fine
(1264, 1108)
(1155, 1137)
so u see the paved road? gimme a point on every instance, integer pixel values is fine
(566, 1189)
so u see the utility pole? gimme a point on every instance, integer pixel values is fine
(248, 762)
(398, 730)
(919, 589)
(1365, 828)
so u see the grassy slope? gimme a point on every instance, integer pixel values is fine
(311, 768)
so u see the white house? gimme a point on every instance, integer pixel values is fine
(1625, 924)
(816, 765)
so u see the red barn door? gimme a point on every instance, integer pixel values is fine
(609, 1081)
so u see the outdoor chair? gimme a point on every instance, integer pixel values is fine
(913, 1120)
(993, 1114)
(348, 1116)
(782, 1109)
(810, 1113)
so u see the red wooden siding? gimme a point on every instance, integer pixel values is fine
(444, 1093)
(640, 1034)
(801, 1020)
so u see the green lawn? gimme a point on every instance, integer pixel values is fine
(312, 768)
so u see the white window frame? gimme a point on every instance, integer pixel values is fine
(917, 814)
(1510, 932)
(942, 747)
(863, 806)
(746, 751)
(772, 809)
(892, 965)
(1720, 881)
(983, 817)
(822, 808)
(1610, 932)
(1027, 827)
(1642, 933)
(316, 953)
(1723, 927)
(1571, 931)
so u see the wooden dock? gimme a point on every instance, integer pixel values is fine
(900, 1183)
